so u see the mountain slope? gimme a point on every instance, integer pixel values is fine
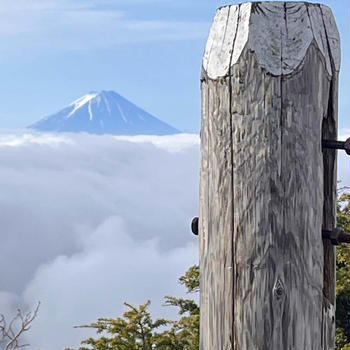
(104, 112)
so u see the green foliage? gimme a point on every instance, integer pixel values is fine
(343, 277)
(341, 341)
(186, 330)
(136, 330)
(191, 279)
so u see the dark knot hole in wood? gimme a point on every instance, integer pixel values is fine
(278, 289)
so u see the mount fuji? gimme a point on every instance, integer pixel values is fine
(104, 112)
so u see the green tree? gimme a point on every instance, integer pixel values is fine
(136, 330)
(186, 329)
(343, 277)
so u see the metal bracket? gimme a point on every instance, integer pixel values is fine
(194, 226)
(332, 144)
(336, 236)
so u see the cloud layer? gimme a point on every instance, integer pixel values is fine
(89, 222)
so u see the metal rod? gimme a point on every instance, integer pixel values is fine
(334, 144)
(336, 236)
(344, 237)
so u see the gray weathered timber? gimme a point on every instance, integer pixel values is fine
(269, 96)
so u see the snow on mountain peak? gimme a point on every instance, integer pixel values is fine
(81, 102)
(104, 112)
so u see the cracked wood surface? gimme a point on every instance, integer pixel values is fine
(279, 33)
(269, 95)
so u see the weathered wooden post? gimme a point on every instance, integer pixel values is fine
(269, 96)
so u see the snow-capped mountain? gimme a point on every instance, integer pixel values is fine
(104, 112)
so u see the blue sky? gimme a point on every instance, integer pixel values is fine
(54, 51)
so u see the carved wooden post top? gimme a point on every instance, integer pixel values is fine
(279, 33)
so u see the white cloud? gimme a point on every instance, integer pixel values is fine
(89, 222)
(29, 138)
(8, 303)
(110, 269)
(172, 143)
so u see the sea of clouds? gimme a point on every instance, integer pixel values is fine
(88, 222)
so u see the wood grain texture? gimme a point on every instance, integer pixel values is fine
(273, 30)
(217, 56)
(265, 179)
